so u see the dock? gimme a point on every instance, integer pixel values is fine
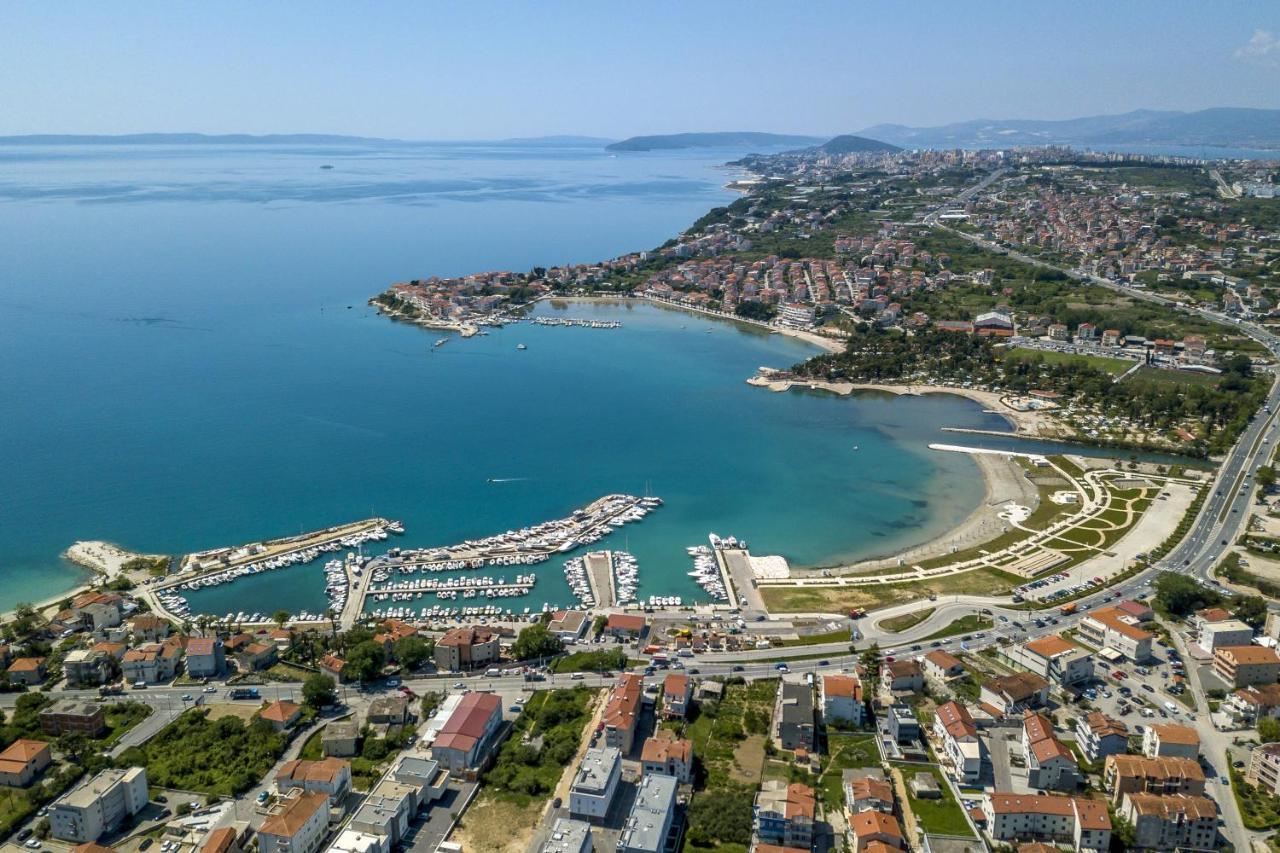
(600, 575)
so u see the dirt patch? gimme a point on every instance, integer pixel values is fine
(218, 710)
(496, 826)
(748, 760)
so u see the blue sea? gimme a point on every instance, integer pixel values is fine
(187, 361)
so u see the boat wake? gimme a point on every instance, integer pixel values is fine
(506, 479)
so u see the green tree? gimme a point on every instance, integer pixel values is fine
(365, 660)
(319, 691)
(871, 661)
(1266, 476)
(536, 642)
(280, 617)
(1179, 595)
(413, 651)
(1250, 609)
(1268, 730)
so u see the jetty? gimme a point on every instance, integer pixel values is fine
(600, 576)
(524, 547)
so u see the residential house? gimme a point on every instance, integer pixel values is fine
(387, 811)
(296, 823)
(941, 666)
(99, 805)
(334, 666)
(1170, 741)
(625, 626)
(1176, 822)
(677, 690)
(866, 789)
(87, 667)
(152, 662)
(1113, 629)
(841, 700)
(784, 814)
(388, 711)
(954, 729)
(1254, 703)
(73, 715)
(340, 739)
(147, 628)
(1241, 666)
(205, 657)
(102, 610)
(595, 784)
(329, 776)
(901, 676)
(1050, 765)
(648, 825)
(467, 736)
(876, 832)
(22, 761)
(793, 719)
(462, 649)
(390, 632)
(281, 714)
(569, 625)
(1019, 817)
(622, 712)
(1099, 736)
(1129, 774)
(902, 724)
(666, 753)
(256, 656)
(28, 671)
(1010, 695)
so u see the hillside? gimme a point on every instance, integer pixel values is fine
(850, 144)
(740, 139)
(1224, 126)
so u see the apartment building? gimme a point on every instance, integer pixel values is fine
(622, 712)
(1052, 818)
(1170, 741)
(1050, 765)
(649, 822)
(876, 832)
(1264, 768)
(297, 823)
(98, 806)
(1099, 736)
(666, 753)
(793, 720)
(1012, 694)
(841, 699)
(784, 814)
(1231, 632)
(1250, 704)
(1126, 774)
(1175, 822)
(954, 729)
(329, 776)
(467, 648)
(901, 676)
(22, 761)
(1241, 666)
(595, 783)
(464, 741)
(568, 836)
(677, 690)
(205, 657)
(87, 666)
(73, 715)
(1054, 659)
(1114, 629)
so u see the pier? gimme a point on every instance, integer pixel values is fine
(600, 576)
(524, 547)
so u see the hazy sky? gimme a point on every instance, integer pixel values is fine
(496, 69)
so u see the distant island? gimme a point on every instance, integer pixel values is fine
(276, 139)
(1227, 127)
(729, 139)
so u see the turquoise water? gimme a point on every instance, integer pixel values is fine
(179, 369)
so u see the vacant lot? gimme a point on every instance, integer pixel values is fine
(831, 599)
(937, 817)
(218, 710)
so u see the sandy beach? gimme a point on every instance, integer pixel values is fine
(1040, 424)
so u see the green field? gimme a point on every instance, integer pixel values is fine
(937, 817)
(1114, 366)
(963, 625)
(896, 624)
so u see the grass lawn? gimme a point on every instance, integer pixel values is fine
(841, 636)
(1176, 377)
(284, 671)
(831, 599)
(591, 661)
(963, 625)
(1257, 809)
(313, 749)
(15, 807)
(122, 716)
(896, 624)
(845, 751)
(938, 817)
(1114, 366)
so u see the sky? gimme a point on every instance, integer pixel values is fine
(502, 69)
